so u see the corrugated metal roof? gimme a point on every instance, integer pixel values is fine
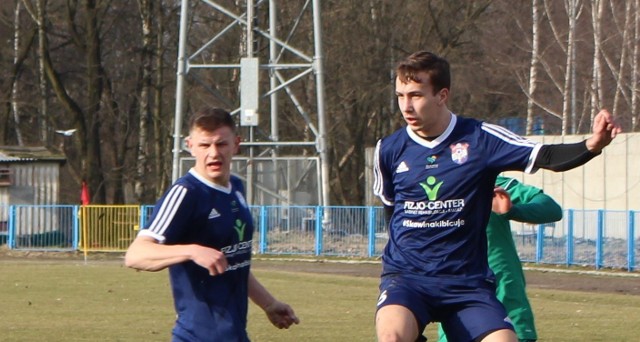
(28, 154)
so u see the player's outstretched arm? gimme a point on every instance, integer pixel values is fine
(280, 314)
(605, 129)
(563, 157)
(145, 253)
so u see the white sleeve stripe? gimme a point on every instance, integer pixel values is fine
(378, 185)
(376, 171)
(146, 232)
(506, 135)
(168, 209)
(530, 169)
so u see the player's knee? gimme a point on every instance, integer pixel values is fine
(391, 336)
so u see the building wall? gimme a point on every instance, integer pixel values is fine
(34, 183)
(610, 181)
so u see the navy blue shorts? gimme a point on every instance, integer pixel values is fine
(465, 311)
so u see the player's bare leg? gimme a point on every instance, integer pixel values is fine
(395, 323)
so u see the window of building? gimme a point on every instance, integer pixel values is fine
(5, 176)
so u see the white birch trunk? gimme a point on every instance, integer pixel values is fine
(596, 78)
(569, 90)
(15, 107)
(623, 58)
(533, 68)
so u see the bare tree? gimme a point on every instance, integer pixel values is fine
(597, 7)
(569, 91)
(635, 59)
(624, 52)
(533, 69)
(146, 11)
(41, 6)
(15, 106)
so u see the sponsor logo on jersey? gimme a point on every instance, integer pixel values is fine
(431, 162)
(234, 207)
(433, 205)
(213, 214)
(435, 224)
(460, 152)
(239, 226)
(402, 167)
(431, 187)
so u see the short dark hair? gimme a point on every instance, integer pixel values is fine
(424, 61)
(210, 119)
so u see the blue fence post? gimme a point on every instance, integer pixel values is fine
(263, 230)
(372, 231)
(143, 217)
(631, 255)
(11, 229)
(570, 246)
(599, 238)
(319, 232)
(540, 244)
(76, 227)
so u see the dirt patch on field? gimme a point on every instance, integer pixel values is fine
(570, 279)
(561, 278)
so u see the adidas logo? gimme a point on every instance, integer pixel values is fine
(402, 168)
(213, 214)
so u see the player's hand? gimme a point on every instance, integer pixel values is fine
(281, 315)
(501, 201)
(211, 259)
(605, 128)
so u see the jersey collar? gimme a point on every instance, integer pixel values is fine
(225, 189)
(437, 141)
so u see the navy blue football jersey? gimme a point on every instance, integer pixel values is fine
(441, 193)
(196, 211)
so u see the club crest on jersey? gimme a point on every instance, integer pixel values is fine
(459, 152)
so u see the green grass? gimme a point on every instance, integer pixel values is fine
(103, 301)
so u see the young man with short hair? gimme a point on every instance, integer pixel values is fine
(436, 177)
(201, 229)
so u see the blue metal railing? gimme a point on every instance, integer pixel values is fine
(596, 238)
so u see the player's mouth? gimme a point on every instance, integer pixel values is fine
(411, 121)
(214, 165)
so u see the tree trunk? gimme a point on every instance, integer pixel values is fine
(596, 78)
(159, 141)
(146, 8)
(568, 93)
(44, 121)
(91, 150)
(623, 59)
(15, 108)
(533, 68)
(634, 67)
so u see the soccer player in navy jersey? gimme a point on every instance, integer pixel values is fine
(201, 229)
(436, 178)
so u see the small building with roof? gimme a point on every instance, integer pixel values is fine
(28, 176)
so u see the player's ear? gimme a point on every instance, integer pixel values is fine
(238, 140)
(188, 144)
(443, 96)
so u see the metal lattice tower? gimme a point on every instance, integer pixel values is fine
(303, 62)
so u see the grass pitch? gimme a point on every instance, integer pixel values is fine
(64, 300)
